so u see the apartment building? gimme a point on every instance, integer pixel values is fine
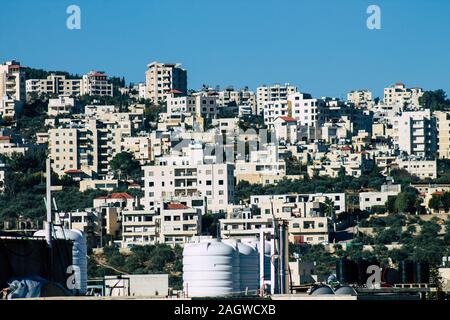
(241, 223)
(189, 174)
(443, 133)
(140, 147)
(244, 96)
(424, 169)
(369, 200)
(299, 205)
(276, 92)
(9, 107)
(286, 129)
(95, 83)
(140, 227)
(360, 98)
(163, 79)
(12, 81)
(274, 109)
(311, 230)
(199, 104)
(400, 95)
(55, 85)
(172, 223)
(62, 105)
(88, 146)
(306, 110)
(179, 223)
(263, 166)
(415, 133)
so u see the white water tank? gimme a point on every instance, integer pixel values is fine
(79, 253)
(248, 265)
(209, 269)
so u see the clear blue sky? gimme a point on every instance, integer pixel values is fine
(321, 46)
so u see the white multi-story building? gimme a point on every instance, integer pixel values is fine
(12, 81)
(62, 105)
(368, 200)
(272, 93)
(443, 133)
(95, 83)
(424, 169)
(308, 111)
(199, 104)
(274, 109)
(163, 79)
(400, 95)
(415, 133)
(190, 174)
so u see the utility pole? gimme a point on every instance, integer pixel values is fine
(48, 203)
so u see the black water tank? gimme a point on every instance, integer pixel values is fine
(346, 271)
(406, 271)
(421, 272)
(390, 276)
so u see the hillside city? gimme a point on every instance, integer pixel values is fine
(144, 168)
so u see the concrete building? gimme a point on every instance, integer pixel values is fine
(189, 174)
(263, 167)
(286, 129)
(62, 105)
(12, 81)
(298, 205)
(443, 133)
(274, 109)
(162, 79)
(199, 104)
(415, 133)
(55, 85)
(276, 92)
(306, 110)
(360, 98)
(244, 96)
(95, 83)
(400, 95)
(368, 200)
(424, 169)
(9, 107)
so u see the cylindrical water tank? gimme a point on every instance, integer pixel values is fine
(421, 272)
(406, 271)
(79, 254)
(255, 242)
(346, 271)
(248, 264)
(208, 269)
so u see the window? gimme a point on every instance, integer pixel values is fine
(208, 182)
(220, 182)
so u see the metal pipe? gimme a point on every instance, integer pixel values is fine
(48, 202)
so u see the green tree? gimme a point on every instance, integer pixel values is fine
(125, 166)
(435, 100)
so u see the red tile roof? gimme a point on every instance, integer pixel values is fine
(438, 193)
(288, 119)
(121, 195)
(117, 195)
(176, 206)
(73, 171)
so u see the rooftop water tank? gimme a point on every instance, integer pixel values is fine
(248, 264)
(79, 255)
(208, 269)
